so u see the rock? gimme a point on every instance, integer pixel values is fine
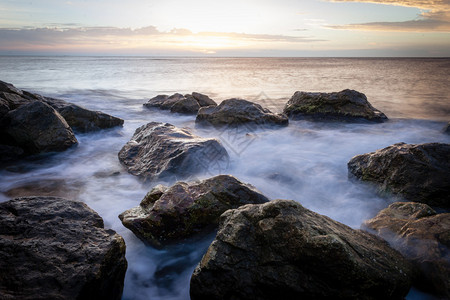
(347, 105)
(8, 153)
(82, 119)
(36, 127)
(170, 215)
(53, 248)
(14, 104)
(423, 237)
(203, 100)
(45, 187)
(237, 112)
(79, 118)
(281, 250)
(159, 150)
(177, 103)
(188, 105)
(419, 173)
(447, 128)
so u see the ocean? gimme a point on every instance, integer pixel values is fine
(305, 161)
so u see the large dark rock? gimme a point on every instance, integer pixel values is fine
(347, 105)
(53, 248)
(82, 119)
(79, 118)
(423, 237)
(177, 103)
(159, 150)
(36, 127)
(419, 173)
(169, 215)
(281, 250)
(237, 112)
(31, 123)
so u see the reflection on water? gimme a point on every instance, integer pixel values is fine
(305, 161)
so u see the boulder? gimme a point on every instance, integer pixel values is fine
(53, 248)
(237, 112)
(79, 118)
(346, 105)
(170, 215)
(54, 134)
(36, 127)
(159, 150)
(281, 250)
(82, 119)
(177, 103)
(423, 237)
(419, 173)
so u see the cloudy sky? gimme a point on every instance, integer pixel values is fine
(226, 28)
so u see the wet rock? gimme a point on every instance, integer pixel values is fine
(170, 215)
(159, 150)
(82, 119)
(14, 104)
(423, 237)
(419, 173)
(9, 153)
(36, 127)
(45, 187)
(53, 248)
(177, 103)
(239, 111)
(347, 105)
(281, 250)
(79, 118)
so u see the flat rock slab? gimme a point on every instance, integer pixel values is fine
(53, 248)
(423, 237)
(346, 105)
(161, 150)
(281, 250)
(184, 104)
(415, 172)
(237, 112)
(170, 215)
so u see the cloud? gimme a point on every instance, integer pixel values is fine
(65, 36)
(434, 18)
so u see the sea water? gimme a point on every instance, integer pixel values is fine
(306, 161)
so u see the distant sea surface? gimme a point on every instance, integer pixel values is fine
(305, 161)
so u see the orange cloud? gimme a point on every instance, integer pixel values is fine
(436, 17)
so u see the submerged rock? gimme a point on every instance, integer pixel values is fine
(419, 173)
(239, 111)
(281, 250)
(168, 215)
(36, 127)
(423, 237)
(159, 150)
(346, 105)
(53, 248)
(177, 103)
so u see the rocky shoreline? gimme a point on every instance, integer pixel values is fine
(263, 248)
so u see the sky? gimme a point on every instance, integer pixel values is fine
(352, 28)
